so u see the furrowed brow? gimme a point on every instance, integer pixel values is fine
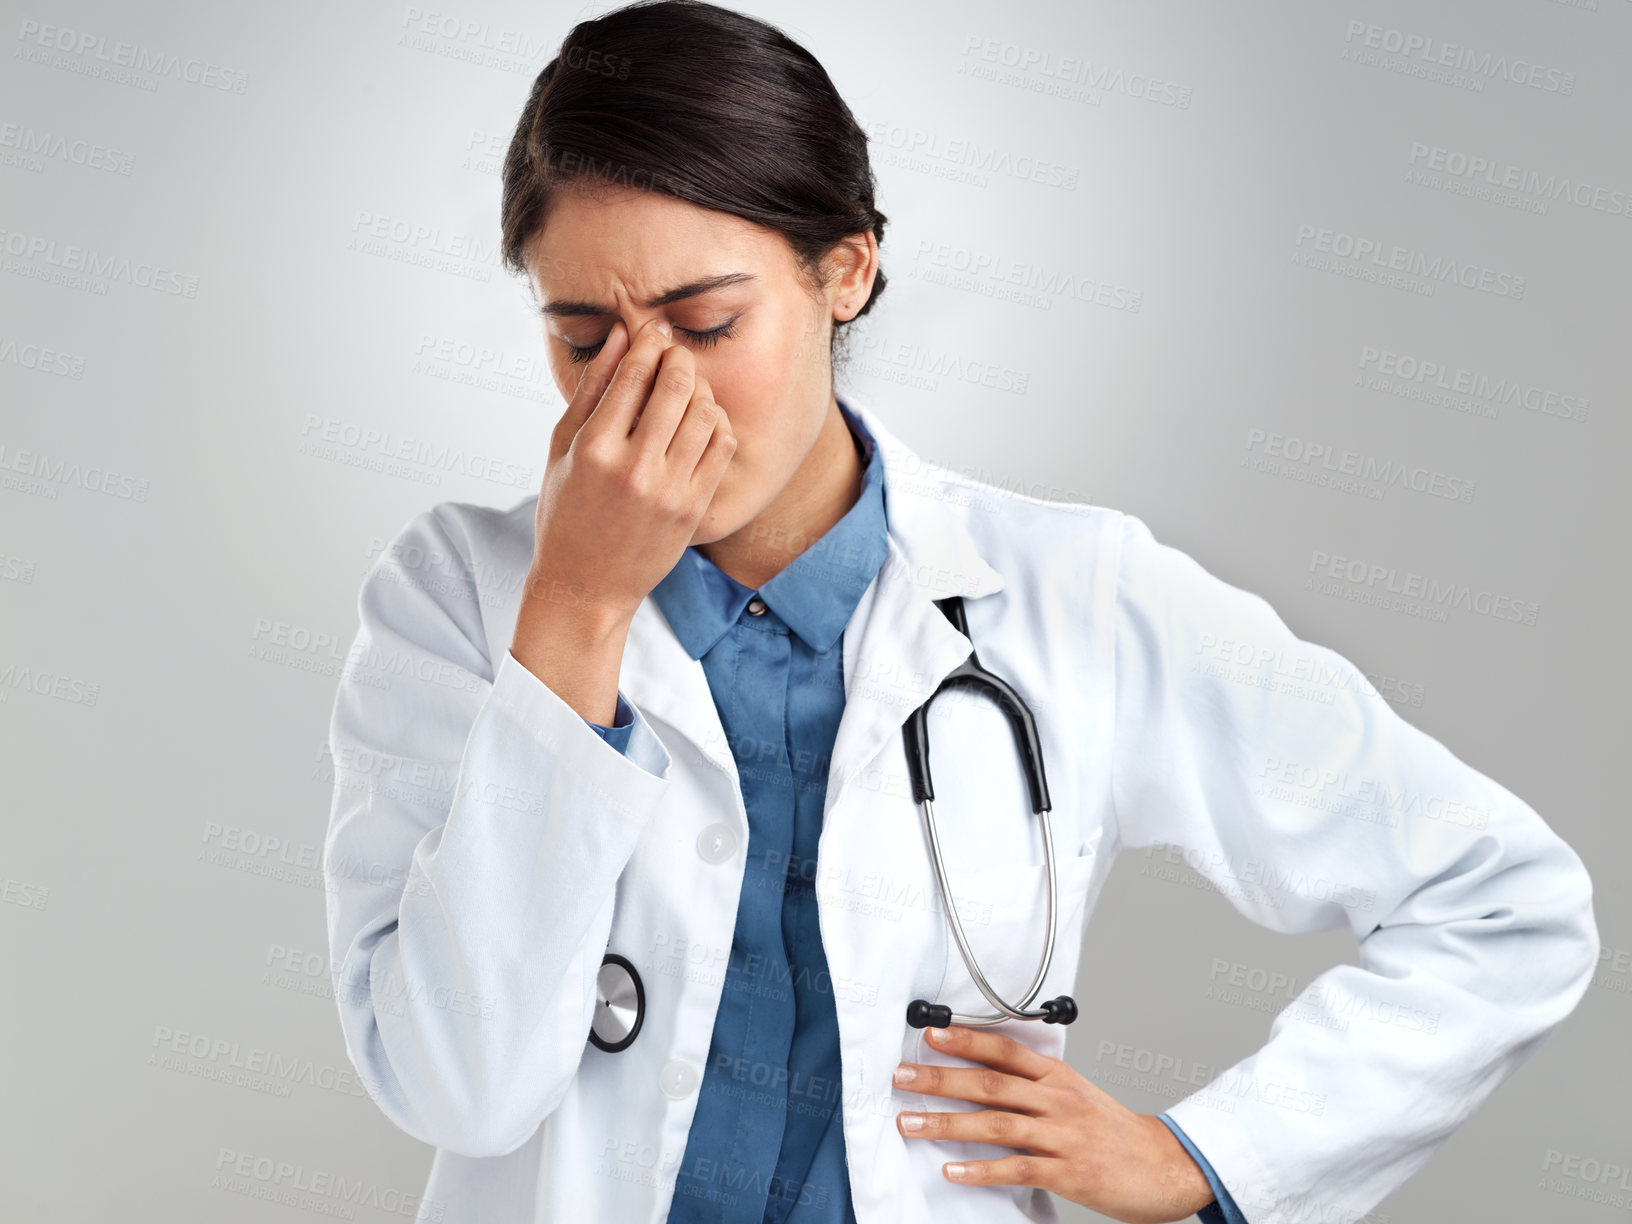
(707, 284)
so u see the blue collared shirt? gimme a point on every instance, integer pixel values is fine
(767, 1142)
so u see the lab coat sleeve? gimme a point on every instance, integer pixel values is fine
(1272, 767)
(478, 829)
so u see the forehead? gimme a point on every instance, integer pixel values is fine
(644, 243)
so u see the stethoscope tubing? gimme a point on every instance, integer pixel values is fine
(621, 996)
(971, 674)
(1004, 1010)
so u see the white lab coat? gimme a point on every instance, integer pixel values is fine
(486, 848)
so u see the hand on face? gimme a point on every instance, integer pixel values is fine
(634, 463)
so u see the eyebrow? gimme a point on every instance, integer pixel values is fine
(707, 284)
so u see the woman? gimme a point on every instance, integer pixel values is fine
(656, 713)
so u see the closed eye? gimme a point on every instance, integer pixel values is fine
(703, 339)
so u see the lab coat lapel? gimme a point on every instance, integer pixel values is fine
(659, 676)
(899, 646)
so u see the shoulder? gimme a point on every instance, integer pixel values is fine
(476, 533)
(1171, 590)
(455, 562)
(453, 538)
(1095, 561)
(1036, 541)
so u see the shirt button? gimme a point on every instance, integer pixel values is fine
(678, 1078)
(717, 843)
(756, 606)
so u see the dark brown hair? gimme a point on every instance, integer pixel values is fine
(702, 103)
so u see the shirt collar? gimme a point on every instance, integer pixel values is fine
(814, 594)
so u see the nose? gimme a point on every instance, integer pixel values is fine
(634, 316)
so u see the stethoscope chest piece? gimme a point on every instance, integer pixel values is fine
(620, 1005)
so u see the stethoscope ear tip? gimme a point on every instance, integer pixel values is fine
(921, 1013)
(1062, 1010)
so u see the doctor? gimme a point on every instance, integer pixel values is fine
(656, 711)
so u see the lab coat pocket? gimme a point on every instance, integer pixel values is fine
(1004, 912)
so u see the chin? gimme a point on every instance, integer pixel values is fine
(708, 527)
(717, 521)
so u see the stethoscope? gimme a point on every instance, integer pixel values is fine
(620, 1005)
(620, 1002)
(922, 1013)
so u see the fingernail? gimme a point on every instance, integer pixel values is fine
(955, 1170)
(905, 1074)
(912, 1122)
(937, 1035)
(662, 325)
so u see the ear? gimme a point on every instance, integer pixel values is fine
(853, 264)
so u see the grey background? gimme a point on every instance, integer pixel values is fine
(167, 784)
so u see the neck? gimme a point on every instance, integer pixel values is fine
(821, 492)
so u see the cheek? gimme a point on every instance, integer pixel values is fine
(749, 401)
(790, 352)
(751, 380)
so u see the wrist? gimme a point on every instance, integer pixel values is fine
(555, 607)
(1184, 1186)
